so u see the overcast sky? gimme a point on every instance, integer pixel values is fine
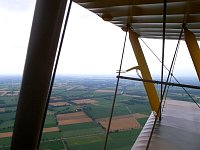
(91, 45)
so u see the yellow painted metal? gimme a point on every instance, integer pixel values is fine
(136, 67)
(149, 87)
(193, 48)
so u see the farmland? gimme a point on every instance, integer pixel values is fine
(122, 123)
(79, 111)
(72, 118)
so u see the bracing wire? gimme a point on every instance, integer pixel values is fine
(167, 91)
(159, 82)
(171, 73)
(114, 99)
(116, 88)
(172, 65)
(55, 68)
(163, 53)
(162, 72)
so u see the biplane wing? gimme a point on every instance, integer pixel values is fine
(146, 17)
(172, 19)
(179, 127)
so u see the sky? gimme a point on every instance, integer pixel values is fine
(91, 45)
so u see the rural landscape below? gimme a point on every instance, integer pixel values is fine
(79, 111)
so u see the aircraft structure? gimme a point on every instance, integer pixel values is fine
(177, 126)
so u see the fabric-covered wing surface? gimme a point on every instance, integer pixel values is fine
(146, 17)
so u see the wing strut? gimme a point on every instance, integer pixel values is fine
(54, 70)
(43, 42)
(149, 87)
(193, 48)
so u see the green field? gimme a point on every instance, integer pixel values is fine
(53, 145)
(8, 100)
(5, 142)
(103, 110)
(50, 121)
(86, 142)
(80, 129)
(142, 121)
(62, 109)
(50, 136)
(119, 140)
(6, 126)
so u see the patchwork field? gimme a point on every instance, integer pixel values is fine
(116, 141)
(6, 134)
(124, 122)
(45, 130)
(84, 101)
(52, 145)
(59, 104)
(80, 129)
(51, 129)
(137, 115)
(78, 114)
(55, 98)
(72, 118)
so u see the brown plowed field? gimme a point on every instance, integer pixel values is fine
(137, 115)
(45, 130)
(56, 98)
(72, 118)
(6, 134)
(51, 129)
(59, 104)
(124, 122)
(74, 121)
(84, 101)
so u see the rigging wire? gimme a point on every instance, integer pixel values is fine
(171, 73)
(167, 91)
(163, 54)
(159, 82)
(54, 70)
(117, 84)
(166, 88)
(162, 69)
(114, 99)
